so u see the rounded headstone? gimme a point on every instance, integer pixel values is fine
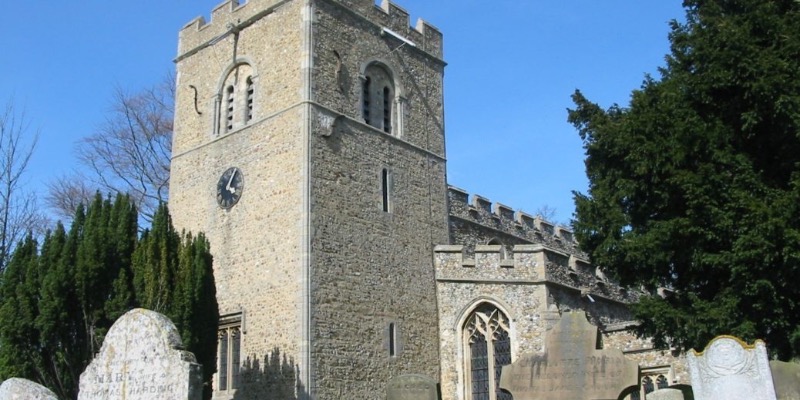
(141, 358)
(23, 389)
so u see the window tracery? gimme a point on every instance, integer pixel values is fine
(488, 343)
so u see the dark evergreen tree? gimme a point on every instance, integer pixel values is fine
(58, 302)
(695, 186)
(174, 276)
(19, 349)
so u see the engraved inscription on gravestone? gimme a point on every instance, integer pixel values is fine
(731, 369)
(412, 387)
(571, 368)
(23, 389)
(140, 359)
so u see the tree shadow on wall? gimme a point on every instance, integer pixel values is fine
(273, 377)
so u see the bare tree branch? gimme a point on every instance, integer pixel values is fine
(67, 192)
(129, 153)
(19, 213)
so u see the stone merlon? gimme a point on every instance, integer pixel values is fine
(500, 217)
(233, 15)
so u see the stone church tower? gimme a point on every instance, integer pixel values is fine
(309, 147)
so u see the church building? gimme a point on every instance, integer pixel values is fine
(309, 146)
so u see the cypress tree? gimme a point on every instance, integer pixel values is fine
(56, 306)
(19, 349)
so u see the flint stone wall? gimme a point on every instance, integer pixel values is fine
(141, 358)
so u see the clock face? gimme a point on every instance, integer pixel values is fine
(229, 187)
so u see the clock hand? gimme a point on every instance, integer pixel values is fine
(230, 181)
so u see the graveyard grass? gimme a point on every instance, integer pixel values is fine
(695, 186)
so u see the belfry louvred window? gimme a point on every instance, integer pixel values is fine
(377, 98)
(236, 104)
(486, 334)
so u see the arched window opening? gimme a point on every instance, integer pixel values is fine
(377, 98)
(236, 100)
(647, 385)
(488, 344)
(662, 382)
(653, 379)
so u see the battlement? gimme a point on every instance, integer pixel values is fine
(531, 264)
(534, 229)
(233, 15)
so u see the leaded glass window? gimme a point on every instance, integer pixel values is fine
(486, 334)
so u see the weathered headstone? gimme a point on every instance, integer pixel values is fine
(141, 359)
(665, 394)
(23, 389)
(786, 377)
(412, 387)
(571, 368)
(732, 370)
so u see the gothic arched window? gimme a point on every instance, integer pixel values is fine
(235, 107)
(377, 98)
(488, 349)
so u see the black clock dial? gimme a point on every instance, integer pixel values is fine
(229, 187)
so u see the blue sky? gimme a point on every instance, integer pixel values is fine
(512, 66)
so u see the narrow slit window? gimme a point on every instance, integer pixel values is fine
(392, 340)
(229, 105)
(385, 189)
(387, 110)
(365, 101)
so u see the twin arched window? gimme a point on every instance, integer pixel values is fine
(488, 348)
(378, 98)
(236, 102)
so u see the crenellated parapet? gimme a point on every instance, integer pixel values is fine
(527, 264)
(395, 18)
(501, 218)
(228, 17)
(234, 15)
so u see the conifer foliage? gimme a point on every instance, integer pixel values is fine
(695, 186)
(58, 300)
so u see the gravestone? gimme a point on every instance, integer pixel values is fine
(786, 378)
(141, 359)
(23, 389)
(412, 387)
(665, 394)
(731, 369)
(571, 368)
